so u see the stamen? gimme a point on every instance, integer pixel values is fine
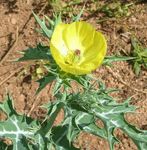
(77, 52)
(73, 57)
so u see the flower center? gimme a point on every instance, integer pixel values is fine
(73, 57)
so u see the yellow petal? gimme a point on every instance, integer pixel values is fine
(77, 70)
(57, 39)
(96, 52)
(77, 34)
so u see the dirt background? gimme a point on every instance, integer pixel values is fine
(17, 33)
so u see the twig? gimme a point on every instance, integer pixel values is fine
(34, 104)
(12, 74)
(13, 46)
(43, 8)
(118, 77)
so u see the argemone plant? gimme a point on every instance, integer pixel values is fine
(76, 50)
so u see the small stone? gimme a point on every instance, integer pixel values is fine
(133, 19)
(13, 21)
(21, 98)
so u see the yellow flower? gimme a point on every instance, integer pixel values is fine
(77, 48)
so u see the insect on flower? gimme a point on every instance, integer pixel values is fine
(77, 47)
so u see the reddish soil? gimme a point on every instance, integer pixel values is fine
(17, 15)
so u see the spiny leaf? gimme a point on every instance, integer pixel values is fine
(57, 86)
(45, 81)
(21, 130)
(98, 104)
(60, 140)
(72, 130)
(86, 122)
(110, 135)
(43, 26)
(109, 59)
(7, 106)
(16, 127)
(57, 19)
(113, 117)
(47, 126)
(38, 53)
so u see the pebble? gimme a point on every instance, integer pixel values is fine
(21, 98)
(132, 20)
(13, 21)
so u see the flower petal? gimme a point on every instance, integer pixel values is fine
(96, 52)
(57, 39)
(77, 70)
(77, 34)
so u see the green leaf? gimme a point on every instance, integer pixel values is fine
(45, 81)
(84, 119)
(57, 86)
(17, 128)
(21, 130)
(113, 117)
(135, 46)
(86, 122)
(7, 106)
(144, 53)
(60, 140)
(51, 22)
(137, 68)
(110, 136)
(43, 26)
(109, 59)
(38, 53)
(57, 19)
(47, 125)
(98, 104)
